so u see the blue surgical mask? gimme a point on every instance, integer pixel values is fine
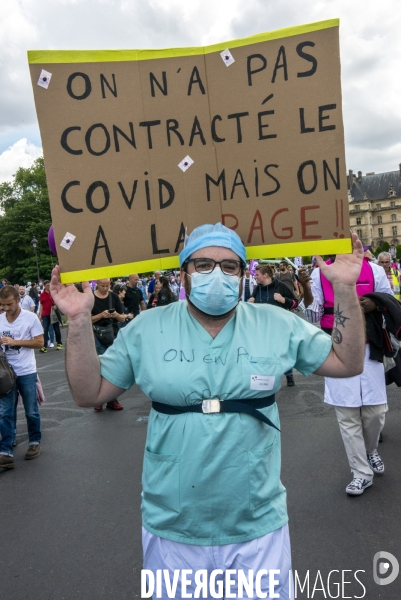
(214, 293)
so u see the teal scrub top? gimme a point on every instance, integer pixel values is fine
(212, 479)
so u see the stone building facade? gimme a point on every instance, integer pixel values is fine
(375, 207)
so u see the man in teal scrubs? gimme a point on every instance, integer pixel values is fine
(212, 495)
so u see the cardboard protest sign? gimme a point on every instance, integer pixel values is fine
(142, 145)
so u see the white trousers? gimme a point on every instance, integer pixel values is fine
(271, 551)
(360, 429)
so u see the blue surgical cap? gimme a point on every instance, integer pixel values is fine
(213, 235)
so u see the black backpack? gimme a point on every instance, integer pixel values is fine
(7, 375)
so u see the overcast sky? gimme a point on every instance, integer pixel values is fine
(370, 55)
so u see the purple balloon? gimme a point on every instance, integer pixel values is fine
(51, 241)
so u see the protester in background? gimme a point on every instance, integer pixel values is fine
(141, 286)
(133, 300)
(44, 314)
(20, 333)
(384, 260)
(166, 295)
(121, 290)
(34, 294)
(175, 288)
(162, 295)
(25, 301)
(248, 284)
(151, 286)
(145, 289)
(271, 291)
(154, 298)
(287, 277)
(360, 402)
(107, 313)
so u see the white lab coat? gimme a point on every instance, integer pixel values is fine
(369, 388)
(252, 284)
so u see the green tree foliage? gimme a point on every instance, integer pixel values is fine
(25, 214)
(385, 247)
(398, 248)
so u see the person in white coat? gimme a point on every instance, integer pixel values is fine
(360, 402)
(248, 283)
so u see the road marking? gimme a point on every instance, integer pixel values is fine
(59, 362)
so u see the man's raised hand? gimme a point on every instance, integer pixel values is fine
(69, 300)
(347, 267)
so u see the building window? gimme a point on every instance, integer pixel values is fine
(393, 217)
(380, 219)
(378, 205)
(392, 204)
(357, 207)
(394, 230)
(359, 232)
(359, 221)
(380, 232)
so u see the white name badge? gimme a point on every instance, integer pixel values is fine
(262, 382)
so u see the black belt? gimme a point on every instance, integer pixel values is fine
(213, 405)
(328, 310)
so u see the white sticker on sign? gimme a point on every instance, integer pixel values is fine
(227, 57)
(67, 241)
(44, 79)
(186, 163)
(262, 382)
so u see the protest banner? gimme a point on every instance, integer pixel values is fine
(142, 145)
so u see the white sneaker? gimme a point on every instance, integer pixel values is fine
(358, 486)
(376, 463)
(51, 345)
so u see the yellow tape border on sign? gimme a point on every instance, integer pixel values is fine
(342, 246)
(92, 56)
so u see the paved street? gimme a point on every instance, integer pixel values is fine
(70, 521)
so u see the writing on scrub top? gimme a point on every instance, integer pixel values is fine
(189, 356)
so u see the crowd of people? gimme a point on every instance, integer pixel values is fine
(118, 302)
(223, 330)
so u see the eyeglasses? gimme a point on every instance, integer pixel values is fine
(207, 265)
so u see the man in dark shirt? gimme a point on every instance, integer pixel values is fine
(287, 277)
(107, 309)
(133, 300)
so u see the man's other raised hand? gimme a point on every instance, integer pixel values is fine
(69, 300)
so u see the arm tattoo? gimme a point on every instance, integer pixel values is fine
(338, 317)
(337, 336)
